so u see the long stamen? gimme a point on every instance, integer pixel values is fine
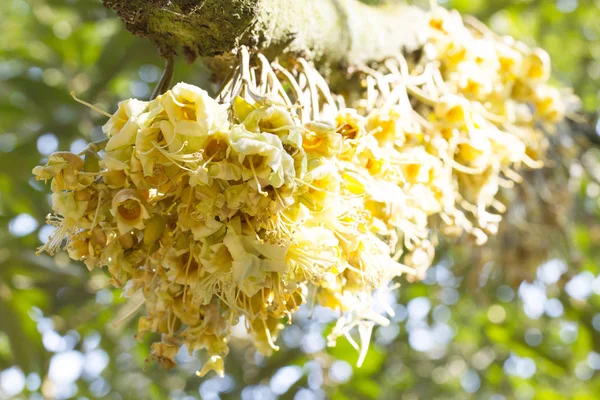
(93, 107)
(258, 187)
(129, 314)
(169, 157)
(185, 279)
(252, 228)
(269, 338)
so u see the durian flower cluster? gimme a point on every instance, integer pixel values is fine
(510, 108)
(478, 106)
(232, 210)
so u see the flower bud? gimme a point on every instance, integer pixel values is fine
(127, 241)
(115, 178)
(98, 239)
(155, 227)
(83, 195)
(91, 162)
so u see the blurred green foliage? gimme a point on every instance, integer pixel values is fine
(468, 330)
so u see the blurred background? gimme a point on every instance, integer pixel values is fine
(518, 319)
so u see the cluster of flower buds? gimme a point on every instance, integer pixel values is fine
(232, 210)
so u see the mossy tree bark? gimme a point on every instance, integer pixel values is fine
(326, 31)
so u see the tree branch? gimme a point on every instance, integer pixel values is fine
(333, 31)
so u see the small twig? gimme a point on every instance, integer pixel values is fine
(165, 80)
